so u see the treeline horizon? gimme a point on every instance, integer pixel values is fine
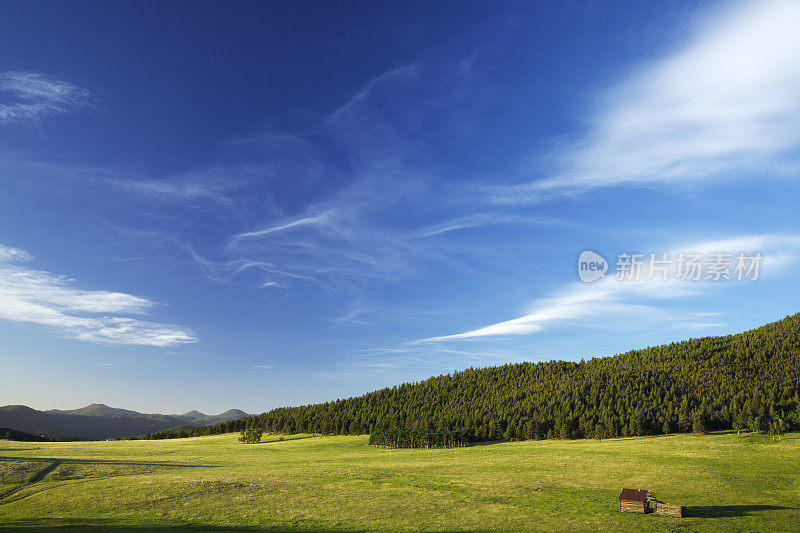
(417, 438)
(23, 436)
(745, 381)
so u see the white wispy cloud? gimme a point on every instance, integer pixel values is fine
(197, 187)
(29, 97)
(491, 219)
(402, 74)
(40, 297)
(353, 316)
(226, 270)
(414, 361)
(609, 297)
(332, 243)
(327, 256)
(311, 220)
(173, 189)
(13, 254)
(724, 106)
(352, 228)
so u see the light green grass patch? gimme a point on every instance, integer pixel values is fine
(305, 482)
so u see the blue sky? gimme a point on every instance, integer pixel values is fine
(211, 205)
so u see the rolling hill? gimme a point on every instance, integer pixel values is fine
(95, 409)
(199, 419)
(99, 421)
(748, 381)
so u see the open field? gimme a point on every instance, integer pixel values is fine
(726, 482)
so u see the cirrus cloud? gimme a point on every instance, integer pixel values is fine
(40, 297)
(724, 106)
(32, 96)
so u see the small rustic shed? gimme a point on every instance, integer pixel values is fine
(634, 501)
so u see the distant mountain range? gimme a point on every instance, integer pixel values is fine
(99, 421)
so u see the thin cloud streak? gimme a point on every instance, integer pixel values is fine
(402, 74)
(414, 362)
(226, 271)
(314, 220)
(212, 184)
(579, 303)
(172, 190)
(491, 219)
(39, 297)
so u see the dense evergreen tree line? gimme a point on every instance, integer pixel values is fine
(748, 381)
(417, 438)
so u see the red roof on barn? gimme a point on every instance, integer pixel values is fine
(633, 495)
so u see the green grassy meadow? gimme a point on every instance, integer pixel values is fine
(727, 483)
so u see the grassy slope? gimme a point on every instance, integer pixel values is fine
(727, 483)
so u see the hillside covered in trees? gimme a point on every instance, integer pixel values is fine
(747, 381)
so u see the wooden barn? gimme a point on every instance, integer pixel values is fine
(634, 501)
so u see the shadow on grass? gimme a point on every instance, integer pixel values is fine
(51, 463)
(99, 527)
(68, 461)
(727, 511)
(289, 438)
(482, 443)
